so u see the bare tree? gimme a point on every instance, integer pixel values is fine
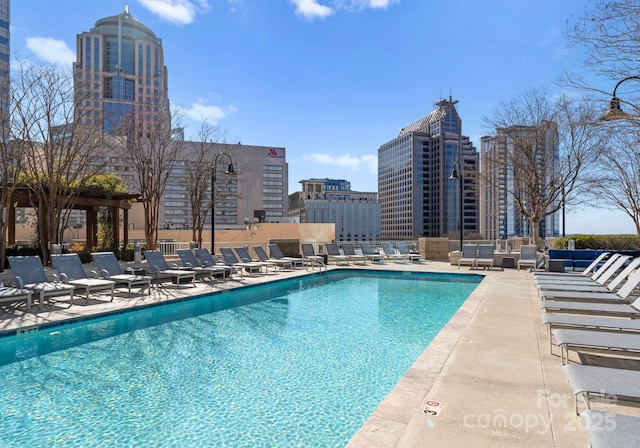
(10, 166)
(58, 154)
(618, 183)
(153, 151)
(547, 148)
(609, 32)
(202, 154)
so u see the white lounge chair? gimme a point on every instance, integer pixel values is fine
(110, 269)
(190, 261)
(404, 250)
(310, 258)
(606, 383)
(11, 294)
(606, 271)
(161, 269)
(603, 309)
(620, 296)
(350, 252)
(333, 254)
(231, 260)
(468, 255)
(598, 285)
(244, 256)
(276, 253)
(70, 270)
(587, 272)
(29, 274)
(528, 257)
(485, 256)
(263, 257)
(390, 252)
(601, 341)
(554, 321)
(607, 430)
(370, 254)
(206, 260)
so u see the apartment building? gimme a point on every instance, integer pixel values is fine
(500, 216)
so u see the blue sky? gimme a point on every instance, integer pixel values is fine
(332, 80)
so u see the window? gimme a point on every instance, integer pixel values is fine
(176, 204)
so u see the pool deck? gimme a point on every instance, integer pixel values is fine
(488, 375)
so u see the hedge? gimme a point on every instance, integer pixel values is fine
(613, 242)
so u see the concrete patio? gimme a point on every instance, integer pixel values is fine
(487, 379)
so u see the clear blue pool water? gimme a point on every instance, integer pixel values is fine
(300, 362)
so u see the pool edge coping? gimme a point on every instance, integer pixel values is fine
(387, 425)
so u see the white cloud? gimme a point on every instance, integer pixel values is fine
(359, 5)
(181, 12)
(379, 4)
(51, 50)
(311, 9)
(354, 163)
(211, 114)
(371, 162)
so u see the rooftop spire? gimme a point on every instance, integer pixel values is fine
(126, 7)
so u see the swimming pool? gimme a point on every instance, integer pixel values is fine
(301, 362)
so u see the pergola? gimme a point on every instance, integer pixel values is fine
(88, 200)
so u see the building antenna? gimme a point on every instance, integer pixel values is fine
(126, 7)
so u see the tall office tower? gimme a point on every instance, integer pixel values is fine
(355, 214)
(5, 54)
(500, 218)
(417, 198)
(119, 71)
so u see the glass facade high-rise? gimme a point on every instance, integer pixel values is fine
(501, 217)
(417, 199)
(119, 70)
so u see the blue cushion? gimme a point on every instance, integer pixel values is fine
(562, 254)
(584, 254)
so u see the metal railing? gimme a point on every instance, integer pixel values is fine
(169, 248)
(499, 245)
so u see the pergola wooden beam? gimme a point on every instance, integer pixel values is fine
(88, 200)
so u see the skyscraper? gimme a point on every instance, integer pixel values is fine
(120, 74)
(501, 217)
(119, 70)
(417, 199)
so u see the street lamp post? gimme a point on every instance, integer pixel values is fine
(230, 171)
(615, 111)
(456, 174)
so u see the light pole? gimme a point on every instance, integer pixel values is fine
(615, 111)
(230, 171)
(456, 174)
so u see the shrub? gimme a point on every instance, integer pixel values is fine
(12, 251)
(612, 242)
